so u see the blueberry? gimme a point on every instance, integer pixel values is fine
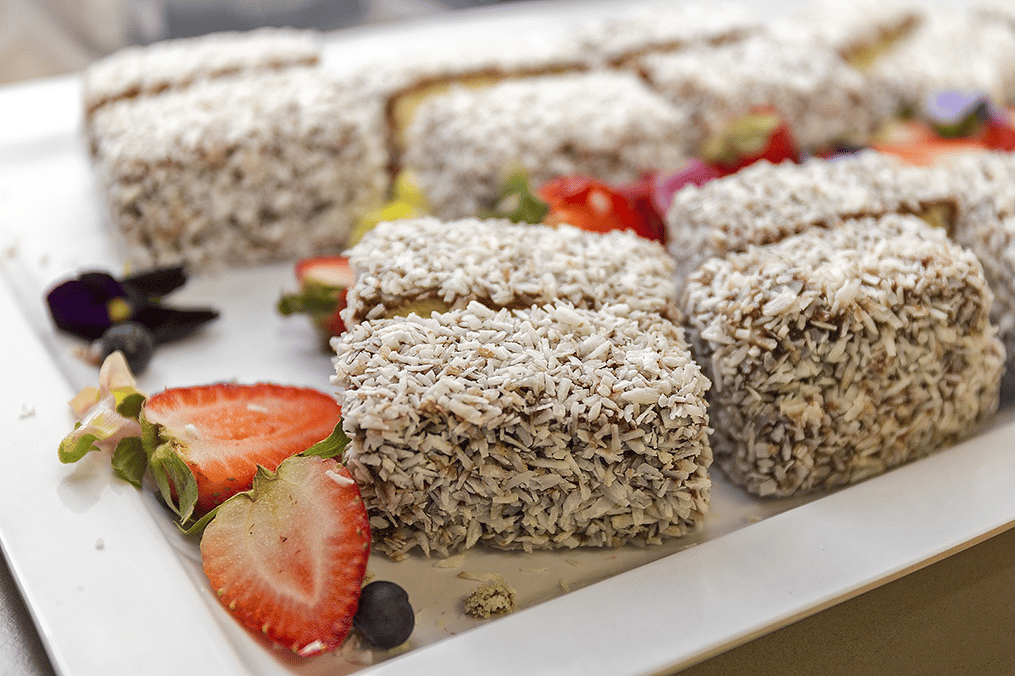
(134, 340)
(384, 618)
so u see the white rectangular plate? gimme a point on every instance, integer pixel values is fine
(115, 590)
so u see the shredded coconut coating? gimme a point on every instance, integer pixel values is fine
(856, 29)
(403, 81)
(549, 427)
(221, 173)
(451, 61)
(951, 50)
(649, 27)
(986, 224)
(994, 10)
(608, 125)
(837, 354)
(766, 202)
(504, 264)
(824, 100)
(170, 64)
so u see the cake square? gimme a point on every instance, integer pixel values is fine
(838, 353)
(985, 184)
(217, 173)
(543, 427)
(462, 145)
(427, 264)
(766, 202)
(824, 100)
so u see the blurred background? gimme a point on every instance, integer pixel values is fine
(42, 38)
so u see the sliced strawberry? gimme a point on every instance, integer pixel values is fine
(665, 186)
(205, 443)
(590, 205)
(639, 194)
(324, 283)
(287, 558)
(762, 134)
(999, 130)
(916, 142)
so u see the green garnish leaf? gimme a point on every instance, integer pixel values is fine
(517, 202)
(332, 447)
(742, 137)
(313, 299)
(130, 461)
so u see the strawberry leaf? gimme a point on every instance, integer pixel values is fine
(130, 461)
(199, 525)
(177, 483)
(332, 447)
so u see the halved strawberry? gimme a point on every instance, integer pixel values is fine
(324, 282)
(288, 557)
(205, 443)
(589, 204)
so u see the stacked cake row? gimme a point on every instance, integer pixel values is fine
(251, 147)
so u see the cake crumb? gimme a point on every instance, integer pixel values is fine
(493, 598)
(100, 544)
(26, 411)
(355, 652)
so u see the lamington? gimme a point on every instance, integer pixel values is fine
(427, 264)
(219, 173)
(838, 353)
(535, 428)
(950, 51)
(986, 224)
(609, 125)
(767, 202)
(824, 100)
